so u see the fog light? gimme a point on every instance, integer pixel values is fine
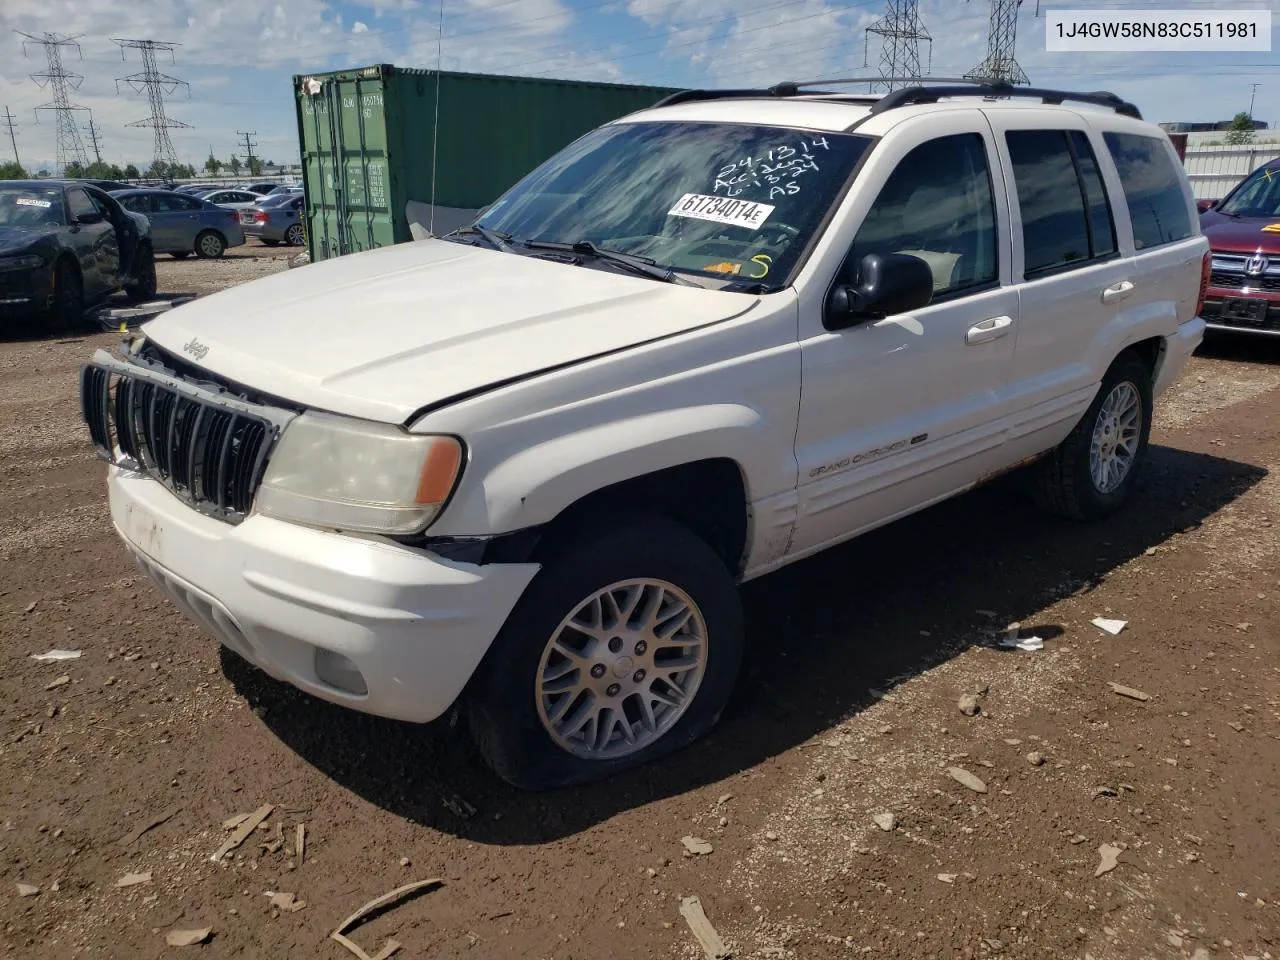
(337, 671)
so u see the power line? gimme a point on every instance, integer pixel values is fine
(93, 138)
(8, 119)
(900, 31)
(157, 85)
(249, 144)
(1000, 64)
(60, 82)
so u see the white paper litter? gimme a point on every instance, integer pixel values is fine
(53, 655)
(1029, 644)
(1112, 627)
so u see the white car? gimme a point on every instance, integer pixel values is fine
(523, 468)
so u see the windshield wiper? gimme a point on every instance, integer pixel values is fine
(495, 239)
(641, 265)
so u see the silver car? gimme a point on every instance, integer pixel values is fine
(231, 199)
(182, 224)
(275, 219)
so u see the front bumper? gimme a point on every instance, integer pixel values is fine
(415, 626)
(25, 292)
(1217, 316)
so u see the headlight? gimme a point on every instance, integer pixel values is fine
(362, 477)
(28, 262)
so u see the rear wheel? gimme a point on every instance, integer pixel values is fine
(210, 245)
(144, 284)
(294, 236)
(1093, 472)
(68, 298)
(624, 649)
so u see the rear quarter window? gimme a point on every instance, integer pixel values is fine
(1152, 189)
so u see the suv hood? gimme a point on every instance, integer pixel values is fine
(383, 333)
(1239, 235)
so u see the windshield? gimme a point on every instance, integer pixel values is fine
(1258, 196)
(31, 207)
(730, 202)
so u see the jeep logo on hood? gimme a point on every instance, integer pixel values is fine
(195, 348)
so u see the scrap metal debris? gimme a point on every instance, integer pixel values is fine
(696, 845)
(1109, 858)
(1013, 641)
(712, 945)
(391, 946)
(187, 938)
(242, 831)
(1129, 692)
(55, 655)
(1112, 627)
(459, 807)
(300, 842)
(136, 833)
(966, 779)
(133, 879)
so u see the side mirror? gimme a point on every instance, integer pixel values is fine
(1204, 206)
(89, 218)
(888, 284)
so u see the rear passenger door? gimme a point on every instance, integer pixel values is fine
(1074, 280)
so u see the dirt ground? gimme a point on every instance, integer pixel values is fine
(848, 712)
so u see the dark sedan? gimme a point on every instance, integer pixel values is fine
(64, 245)
(275, 219)
(182, 224)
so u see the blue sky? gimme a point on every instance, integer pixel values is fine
(239, 55)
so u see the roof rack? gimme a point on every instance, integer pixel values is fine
(916, 94)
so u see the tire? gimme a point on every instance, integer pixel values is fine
(295, 236)
(67, 312)
(1064, 482)
(510, 717)
(180, 254)
(144, 286)
(210, 245)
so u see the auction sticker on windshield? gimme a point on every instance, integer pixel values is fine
(29, 202)
(734, 213)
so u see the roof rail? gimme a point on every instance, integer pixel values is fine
(919, 94)
(789, 88)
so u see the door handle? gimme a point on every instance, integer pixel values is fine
(993, 328)
(1117, 292)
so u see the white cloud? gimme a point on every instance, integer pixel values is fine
(359, 27)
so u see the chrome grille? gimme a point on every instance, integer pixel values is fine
(208, 455)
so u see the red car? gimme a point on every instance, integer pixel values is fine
(1244, 234)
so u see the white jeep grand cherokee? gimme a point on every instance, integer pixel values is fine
(523, 468)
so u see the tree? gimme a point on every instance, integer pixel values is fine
(10, 170)
(101, 170)
(74, 170)
(1241, 131)
(255, 167)
(234, 165)
(212, 165)
(131, 173)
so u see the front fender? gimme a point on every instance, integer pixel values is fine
(534, 485)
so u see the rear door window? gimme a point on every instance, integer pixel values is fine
(1152, 189)
(1066, 218)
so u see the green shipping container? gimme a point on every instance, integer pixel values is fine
(370, 146)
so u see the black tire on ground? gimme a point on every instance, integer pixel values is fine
(295, 236)
(67, 312)
(210, 245)
(501, 706)
(144, 286)
(270, 243)
(1063, 483)
(180, 254)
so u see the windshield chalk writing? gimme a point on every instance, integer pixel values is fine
(775, 171)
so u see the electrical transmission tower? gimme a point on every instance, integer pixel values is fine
(248, 149)
(900, 32)
(93, 139)
(60, 83)
(8, 119)
(157, 85)
(1000, 64)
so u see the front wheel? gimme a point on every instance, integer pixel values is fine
(1093, 472)
(210, 245)
(625, 648)
(295, 235)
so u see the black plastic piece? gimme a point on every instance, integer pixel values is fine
(908, 96)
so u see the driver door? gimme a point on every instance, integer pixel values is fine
(93, 237)
(899, 412)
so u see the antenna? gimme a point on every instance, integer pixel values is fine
(900, 32)
(1000, 65)
(60, 82)
(156, 85)
(8, 119)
